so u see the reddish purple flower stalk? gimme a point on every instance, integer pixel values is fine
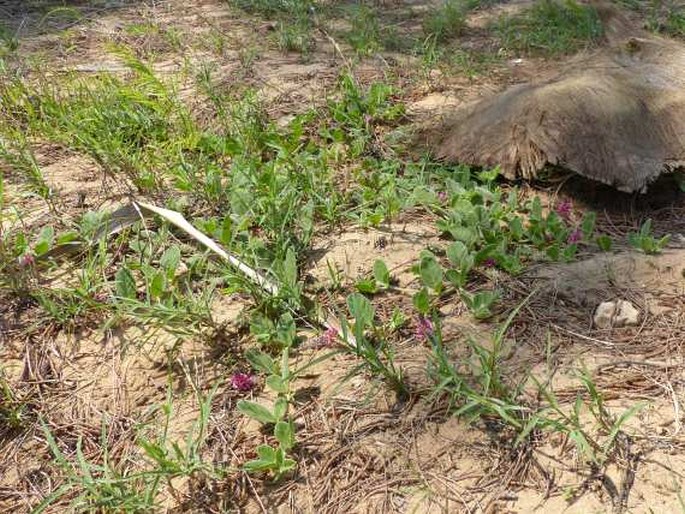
(489, 262)
(424, 329)
(242, 381)
(26, 261)
(327, 339)
(101, 296)
(564, 209)
(575, 236)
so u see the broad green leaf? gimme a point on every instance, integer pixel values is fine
(170, 260)
(47, 234)
(41, 247)
(604, 242)
(464, 234)
(277, 384)
(285, 435)
(516, 228)
(287, 465)
(290, 269)
(457, 253)
(256, 465)
(367, 286)
(455, 278)
(156, 287)
(45, 239)
(124, 283)
(266, 452)
(421, 301)
(381, 273)
(361, 309)
(286, 330)
(67, 237)
(260, 361)
(266, 461)
(588, 224)
(280, 408)
(431, 272)
(256, 411)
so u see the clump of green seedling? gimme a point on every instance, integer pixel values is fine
(644, 240)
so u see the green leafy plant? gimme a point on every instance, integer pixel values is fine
(279, 377)
(643, 239)
(478, 391)
(380, 280)
(462, 261)
(14, 410)
(480, 304)
(430, 272)
(378, 358)
(117, 486)
(604, 242)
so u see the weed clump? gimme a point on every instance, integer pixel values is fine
(667, 18)
(551, 28)
(446, 22)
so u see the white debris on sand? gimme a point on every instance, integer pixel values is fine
(619, 313)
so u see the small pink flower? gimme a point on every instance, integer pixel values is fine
(575, 236)
(242, 381)
(564, 209)
(101, 296)
(489, 262)
(442, 197)
(327, 339)
(26, 261)
(424, 329)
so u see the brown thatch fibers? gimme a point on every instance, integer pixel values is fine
(617, 116)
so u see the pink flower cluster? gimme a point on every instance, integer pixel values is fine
(26, 261)
(575, 236)
(424, 329)
(565, 209)
(243, 381)
(327, 339)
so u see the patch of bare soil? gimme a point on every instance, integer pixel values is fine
(351, 253)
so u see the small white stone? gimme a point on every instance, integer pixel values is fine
(626, 314)
(181, 269)
(617, 314)
(604, 314)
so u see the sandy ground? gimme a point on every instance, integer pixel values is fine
(360, 451)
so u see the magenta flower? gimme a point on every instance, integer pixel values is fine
(489, 262)
(575, 236)
(424, 329)
(442, 197)
(327, 339)
(26, 261)
(101, 296)
(242, 381)
(564, 209)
